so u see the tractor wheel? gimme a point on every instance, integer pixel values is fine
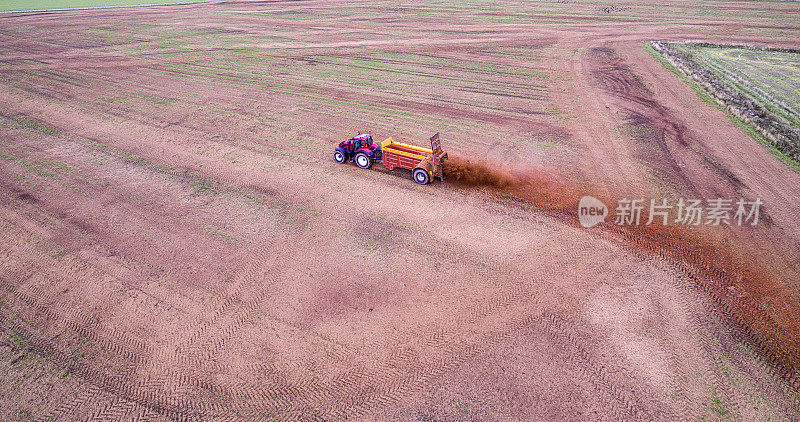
(338, 157)
(363, 160)
(421, 176)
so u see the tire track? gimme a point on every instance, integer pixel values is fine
(620, 83)
(630, 405)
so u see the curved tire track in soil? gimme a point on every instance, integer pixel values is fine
(620, 82)
(714, 268)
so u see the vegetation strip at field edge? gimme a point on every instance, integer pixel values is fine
(783, 147)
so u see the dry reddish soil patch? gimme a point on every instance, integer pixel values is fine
(178, 244)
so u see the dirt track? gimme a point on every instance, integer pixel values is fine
(178, 243)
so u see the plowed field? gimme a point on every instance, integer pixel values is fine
(178, 243)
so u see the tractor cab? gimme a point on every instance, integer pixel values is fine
(362, 140)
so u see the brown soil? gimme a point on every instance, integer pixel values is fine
(178, 244)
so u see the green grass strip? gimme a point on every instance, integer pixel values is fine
(705, 97)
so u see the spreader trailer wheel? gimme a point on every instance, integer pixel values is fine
(338, 156)
(363, 160)
(421, 176)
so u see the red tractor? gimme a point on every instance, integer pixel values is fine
(360, 149)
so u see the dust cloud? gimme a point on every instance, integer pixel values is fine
(744, 283)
